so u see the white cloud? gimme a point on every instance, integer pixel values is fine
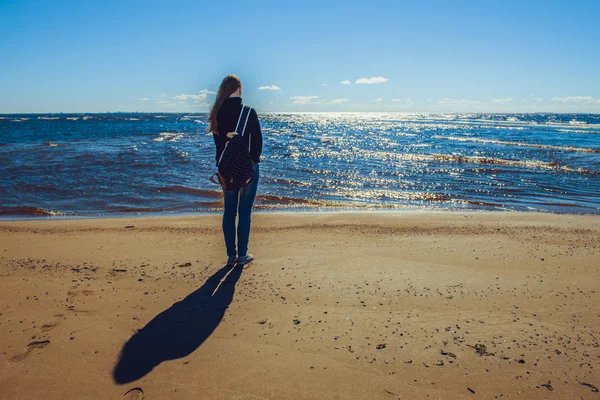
(195, 97)
(303, 99)
(378, 100)
(534, 99)
(378, 79)
(338, 101)
(575, 99)
(345, 82)
(449, 101)
(162, 102)
(272, 87)
(324, 84)
(407, 101)
(502, 101)
(143, 99)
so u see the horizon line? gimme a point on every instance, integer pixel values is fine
(306, 112)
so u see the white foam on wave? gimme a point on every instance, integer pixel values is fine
(49, 118)
(449, 158)
(168, 137)
(73, 118)
(575, 130)
(380, 194)
(181, 153)
(576, 122)
(509, 143)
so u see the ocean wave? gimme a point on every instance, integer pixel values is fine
(194, 118)
(28, 210)
(127, 209)
(577, 122)
(168, 137)
(273, 199)
(290, 182)
(475, 160)
(188, 190)
(72, 118)
(507, 124)
(381, 194)
(48, 118)
(584, 131)
(180, 154)
(509, 143)
(275, 202)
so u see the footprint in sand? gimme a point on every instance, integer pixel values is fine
(30, 347)
(19, 357)
(49, 326)
(134, 394)
(74, 293)
(38, 345)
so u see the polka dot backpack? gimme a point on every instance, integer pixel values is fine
(235, 167)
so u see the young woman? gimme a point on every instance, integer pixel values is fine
(222, 119)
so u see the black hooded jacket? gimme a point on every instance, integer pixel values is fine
(227, 119)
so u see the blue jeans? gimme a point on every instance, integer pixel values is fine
(241, 201)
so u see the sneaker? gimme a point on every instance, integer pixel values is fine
(243, 260)
(231, 261)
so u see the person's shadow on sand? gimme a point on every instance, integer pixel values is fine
(179, 330)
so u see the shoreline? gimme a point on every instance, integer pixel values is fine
(361, 305)
(286, 211)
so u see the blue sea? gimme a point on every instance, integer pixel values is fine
(118, 164)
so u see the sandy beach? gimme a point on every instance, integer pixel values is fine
(406, 305)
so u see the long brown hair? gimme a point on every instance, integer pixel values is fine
(230, 84)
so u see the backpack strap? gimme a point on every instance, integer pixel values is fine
(244, 116)
(250, 134)
(243, 119)
(246, 121)
(250, 137)
(239, 119)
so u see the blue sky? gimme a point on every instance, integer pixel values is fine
(423, 56)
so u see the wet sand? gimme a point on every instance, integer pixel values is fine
(413, 305)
